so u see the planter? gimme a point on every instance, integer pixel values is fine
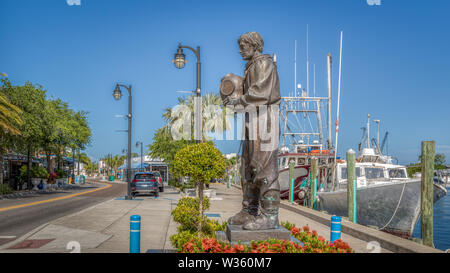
(35, 182)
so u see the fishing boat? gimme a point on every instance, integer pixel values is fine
(386, 198)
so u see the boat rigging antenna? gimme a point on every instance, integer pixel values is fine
(295, 69)
(337, 118)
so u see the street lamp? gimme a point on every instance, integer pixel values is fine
(142, 162)
(117, 94)
(179, 61)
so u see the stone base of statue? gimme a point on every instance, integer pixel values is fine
(235, 233)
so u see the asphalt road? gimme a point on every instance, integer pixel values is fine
(16, 222)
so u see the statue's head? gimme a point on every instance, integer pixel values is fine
(250, 43)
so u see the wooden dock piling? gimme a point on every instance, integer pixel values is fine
(351, 186)
(291, 181)
(313, 190)
(427, 191)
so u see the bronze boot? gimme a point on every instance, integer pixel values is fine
(241, 217)
(268, 219)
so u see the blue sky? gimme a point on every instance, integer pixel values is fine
(395, 59)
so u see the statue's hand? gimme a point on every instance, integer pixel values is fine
(230, 101)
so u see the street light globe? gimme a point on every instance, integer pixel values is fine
(117, 93)
(179, 59)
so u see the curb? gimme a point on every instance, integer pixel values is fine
(386, 240)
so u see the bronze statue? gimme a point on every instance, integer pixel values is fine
(259, 167)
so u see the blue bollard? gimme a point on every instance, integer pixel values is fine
(335, 228)
(135, 234)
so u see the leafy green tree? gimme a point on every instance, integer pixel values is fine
(165, 147)
(201, 162)
(10, 123)
(439, 161)
(31, 99)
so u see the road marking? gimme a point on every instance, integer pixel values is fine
(54, 199)
(7, 237)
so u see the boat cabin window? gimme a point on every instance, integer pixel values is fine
(300, 161)
(291, 159)
(344, 172)
(283, 163)
(374, 173)
(397, 173)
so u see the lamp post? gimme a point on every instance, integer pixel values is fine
(179, 61)
(142, 161)
(117, 95)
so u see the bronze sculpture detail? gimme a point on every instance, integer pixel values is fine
(259, 168)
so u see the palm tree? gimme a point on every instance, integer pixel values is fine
(9, 124)
(212, 114)
(9, 116)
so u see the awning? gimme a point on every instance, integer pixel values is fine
(134, 166)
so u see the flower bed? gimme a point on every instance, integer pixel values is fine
(312, 243)
(189, 240)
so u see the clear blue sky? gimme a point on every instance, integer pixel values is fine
(395, 63)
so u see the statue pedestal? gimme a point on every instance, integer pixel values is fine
(235, 233)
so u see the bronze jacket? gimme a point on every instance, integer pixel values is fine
(261, 83)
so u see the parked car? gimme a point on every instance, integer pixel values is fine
(160, 182)
(145, 183)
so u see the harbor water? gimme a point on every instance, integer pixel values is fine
(441, 225)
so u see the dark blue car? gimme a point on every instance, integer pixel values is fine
(145, 183)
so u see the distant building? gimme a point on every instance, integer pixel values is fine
(229, 156)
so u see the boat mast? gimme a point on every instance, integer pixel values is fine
(339, 97)
(337, 118)
(368, 130)
(329, 100)
(378, 133)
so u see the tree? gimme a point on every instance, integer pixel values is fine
(164, 146)
(439, 161)
(10, 122)
(212, 113)
(31, 99)
(201, 162)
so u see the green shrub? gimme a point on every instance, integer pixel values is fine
(179, 239)
(209, 227)
(35, 172)
(194, 202)
(5, 189)
(61, 173)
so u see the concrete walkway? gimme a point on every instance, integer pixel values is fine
(105, 228)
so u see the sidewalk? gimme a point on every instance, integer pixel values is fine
(105, 228)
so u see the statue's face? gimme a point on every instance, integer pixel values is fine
(246, 50)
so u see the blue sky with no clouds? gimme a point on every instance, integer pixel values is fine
(395, 59)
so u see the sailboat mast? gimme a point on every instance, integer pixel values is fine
(339, 97)
(368, 130)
